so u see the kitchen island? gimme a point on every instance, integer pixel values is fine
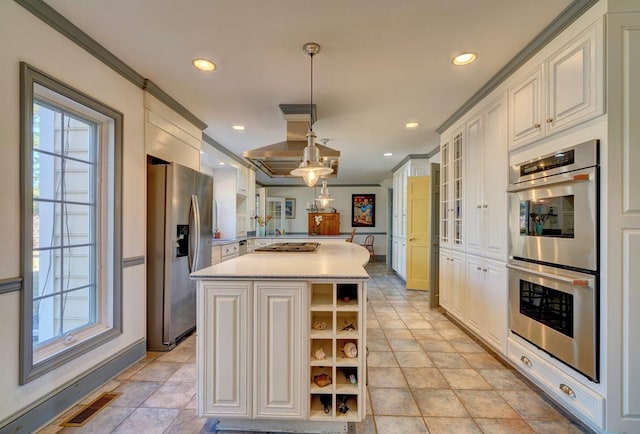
(281, 342)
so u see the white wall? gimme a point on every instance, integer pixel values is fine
(25, 38)
(342, 203)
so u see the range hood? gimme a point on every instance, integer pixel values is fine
(279, 159)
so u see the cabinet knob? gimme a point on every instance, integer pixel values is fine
(485, 206)
(479, 268)
(526, 361)
(567, 390)
(536, 125)
(549, 120)
(484, 269)
(478, 206)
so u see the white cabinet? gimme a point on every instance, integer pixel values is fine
(566, 90)
(242, 181)
(486, 286)
(280, 317)
(486, 182)
(413, 167)
(540, 368)
(451, 190)
(263, 347)
(453, 292)
(225, 314)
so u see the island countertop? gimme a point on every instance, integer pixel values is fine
(333, 259)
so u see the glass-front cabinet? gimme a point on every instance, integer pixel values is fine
(451, 190)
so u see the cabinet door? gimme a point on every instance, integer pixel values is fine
(445, 193)
(280, 319)
(457, 192)
(394, 254)
(474, 185)
(525, 109)
(494, 181)
(444, 279)
(476, 312)
(402, 259)
(224, 361)
(495, 293)
(458, 286)
(575, 81)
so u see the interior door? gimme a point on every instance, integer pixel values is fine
(418, 232)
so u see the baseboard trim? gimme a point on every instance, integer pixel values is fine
(39, 415)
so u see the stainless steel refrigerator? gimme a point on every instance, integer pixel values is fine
(179, 233)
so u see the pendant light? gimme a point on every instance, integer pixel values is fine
(311, 168)
(324, 197)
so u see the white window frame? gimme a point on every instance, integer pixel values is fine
(36, 361)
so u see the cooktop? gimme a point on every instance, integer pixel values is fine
(289, 247)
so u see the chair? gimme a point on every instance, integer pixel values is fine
(350, 238)
(368, 244)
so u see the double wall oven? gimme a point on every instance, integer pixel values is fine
(553, 255)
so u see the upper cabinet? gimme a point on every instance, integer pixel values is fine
(562, 92)
(451, 192)
(486, 181)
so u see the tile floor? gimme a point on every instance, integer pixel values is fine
(425, 376)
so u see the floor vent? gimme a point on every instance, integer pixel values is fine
(84, 415)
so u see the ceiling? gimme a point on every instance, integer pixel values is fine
(381, 64)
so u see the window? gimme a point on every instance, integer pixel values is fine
(71, 238)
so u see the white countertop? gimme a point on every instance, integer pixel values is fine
(333, 259)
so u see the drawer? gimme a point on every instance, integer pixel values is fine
(565, 390)
(262, 242)
(230, 250)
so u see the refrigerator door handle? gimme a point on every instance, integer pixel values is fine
(195, 234)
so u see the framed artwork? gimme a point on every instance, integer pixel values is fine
(289, 208)
(363, 210)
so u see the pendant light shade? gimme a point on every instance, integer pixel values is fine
(324, 197)
(311, 168)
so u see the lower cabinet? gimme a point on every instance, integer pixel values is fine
(486, 286)
(453, 290)
(279, 312)
(399, 257)
(282, 350)
(562, 387)
(224, 339)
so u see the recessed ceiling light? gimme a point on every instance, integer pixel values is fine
(412, 124)
(465, 58)
(221, 163)
(387, 154)
(238, 127)
(203, 64)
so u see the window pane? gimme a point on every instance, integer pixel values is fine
(78, 138)
(46, 319)
(46, 224)
(46, 270)
(78, 226)
(78, 269)
(47, 176)
(78, 309)
(78, 182)
(46, 122)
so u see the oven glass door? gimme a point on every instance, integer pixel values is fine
(555, 310)
(555, 222)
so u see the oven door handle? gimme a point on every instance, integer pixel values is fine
(552, 180)
(569, 280)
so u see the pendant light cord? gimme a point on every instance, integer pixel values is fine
(311, 103)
